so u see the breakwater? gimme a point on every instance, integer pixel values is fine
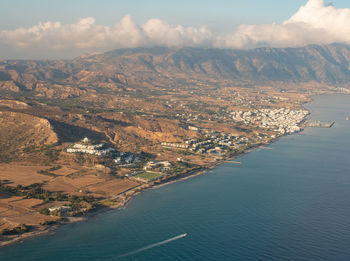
(320, 124)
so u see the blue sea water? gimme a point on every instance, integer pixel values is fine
(288, 203)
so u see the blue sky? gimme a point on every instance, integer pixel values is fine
(222, 14)
(67, 28)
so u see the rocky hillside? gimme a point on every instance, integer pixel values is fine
(20, 132)
(148, 67)
(325, 64)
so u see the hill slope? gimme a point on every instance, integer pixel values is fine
(21, 131)
(148, 67)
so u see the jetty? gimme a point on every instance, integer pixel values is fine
(232, 161)
(320, 124)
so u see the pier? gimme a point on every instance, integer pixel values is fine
(266, 148)
(320, 124)
(232, 161)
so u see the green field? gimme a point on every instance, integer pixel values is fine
(148, 175)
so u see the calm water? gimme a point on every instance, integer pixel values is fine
(288, 203)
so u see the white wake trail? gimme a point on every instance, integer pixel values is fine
(154, 245)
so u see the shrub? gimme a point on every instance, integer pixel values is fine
(44, 211)
(16, 230)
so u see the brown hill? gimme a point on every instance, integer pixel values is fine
(21, 131)
(149, 68)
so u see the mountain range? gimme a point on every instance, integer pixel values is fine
(125, 69)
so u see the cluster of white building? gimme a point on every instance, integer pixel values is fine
(119, 158)
(175, 145)
(213, 143)
(160, 166)
(94, 149)
(126, 158)
(283, 120)
(62, 209)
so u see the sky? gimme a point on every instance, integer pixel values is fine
(51, 29)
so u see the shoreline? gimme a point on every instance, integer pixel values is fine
(129, 195)
(124, 197)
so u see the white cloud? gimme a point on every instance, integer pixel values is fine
(313, 23)
(158, 32)
(87, 36)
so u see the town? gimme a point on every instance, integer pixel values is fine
(267, 123)
(212, 143)
(283, 120)
(279, 121)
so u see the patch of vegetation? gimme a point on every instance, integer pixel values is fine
(51, 154)
(69, 103)
(16, 230)
(45, 154)
(107, 203)
(77, 174)
(48, 172)
(148, 175)
(44, 211)
(78, 207)
(11, 190)
(176, 169)
(49, 222)
(35, 190)
(6, 158)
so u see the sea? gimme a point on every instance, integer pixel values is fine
(289, 202)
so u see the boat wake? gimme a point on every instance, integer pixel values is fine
(154, 245)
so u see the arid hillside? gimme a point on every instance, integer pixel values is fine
(20, 132)
(157, 68)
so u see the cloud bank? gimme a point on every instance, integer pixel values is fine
(313, 23)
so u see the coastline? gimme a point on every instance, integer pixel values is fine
(122, 199)
(291, 185)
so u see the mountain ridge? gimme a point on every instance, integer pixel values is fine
(123, 69)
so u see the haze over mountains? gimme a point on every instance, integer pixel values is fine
(141, 67)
